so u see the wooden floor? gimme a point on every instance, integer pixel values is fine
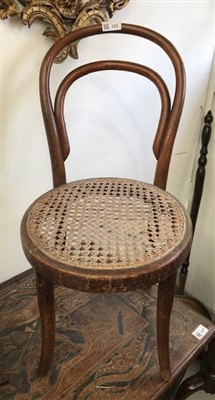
(105, 345)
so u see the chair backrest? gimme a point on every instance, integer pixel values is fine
(53, 113)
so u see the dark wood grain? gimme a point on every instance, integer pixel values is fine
(105, 345)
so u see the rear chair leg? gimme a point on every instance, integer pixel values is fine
(45, 296)
(166, 290)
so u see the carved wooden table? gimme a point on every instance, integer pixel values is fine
(204, 379)
(105, 345)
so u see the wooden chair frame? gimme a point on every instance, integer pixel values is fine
(163, 271)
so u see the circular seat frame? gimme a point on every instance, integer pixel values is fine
(106, 235)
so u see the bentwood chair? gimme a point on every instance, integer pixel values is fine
(107, 234)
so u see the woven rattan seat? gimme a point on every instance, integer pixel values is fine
(109, 226)
(107, 234)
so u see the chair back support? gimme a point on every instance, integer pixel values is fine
(53, 112)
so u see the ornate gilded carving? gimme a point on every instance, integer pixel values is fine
(61, 16)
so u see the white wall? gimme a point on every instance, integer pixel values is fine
(25, 167)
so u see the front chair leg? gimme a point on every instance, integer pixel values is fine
(45, 296)
(166, 290)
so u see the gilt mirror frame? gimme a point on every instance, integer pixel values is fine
(61, 16)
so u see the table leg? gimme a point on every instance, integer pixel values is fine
(202, 380)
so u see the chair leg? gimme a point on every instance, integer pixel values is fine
(165, 299)
(45, 296)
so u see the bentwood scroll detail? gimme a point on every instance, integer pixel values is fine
(61, 16)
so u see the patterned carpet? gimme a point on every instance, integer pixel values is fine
(105, 345)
